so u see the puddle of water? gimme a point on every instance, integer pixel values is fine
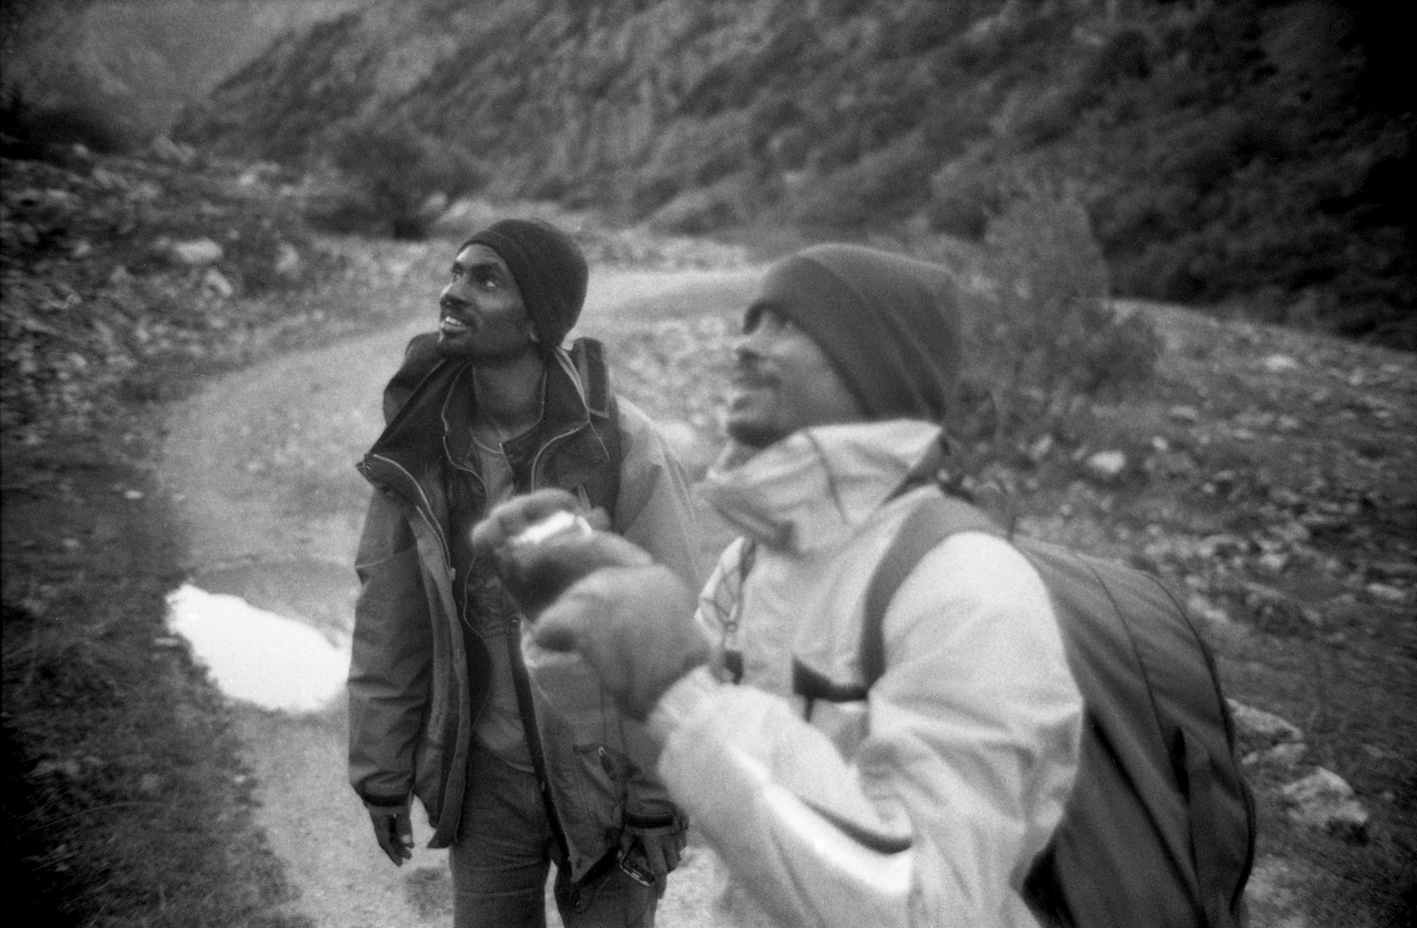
(258, 656)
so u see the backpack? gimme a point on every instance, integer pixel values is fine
(1160, 828)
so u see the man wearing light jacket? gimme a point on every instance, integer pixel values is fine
(924, 799)
(489, 406)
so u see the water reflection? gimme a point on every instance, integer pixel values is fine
(257, 656)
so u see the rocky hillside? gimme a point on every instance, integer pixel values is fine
(1246, 153)
(113, 73)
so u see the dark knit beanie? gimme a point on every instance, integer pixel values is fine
(549, 268)
(888, 324)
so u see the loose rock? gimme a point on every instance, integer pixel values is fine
(1324, 801)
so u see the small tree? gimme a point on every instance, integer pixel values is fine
(1043, 339)
(398, 176)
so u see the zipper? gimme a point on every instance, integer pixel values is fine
(466, 581)
(546, 446)
(424, 513)
(522, 683)
(532, 731)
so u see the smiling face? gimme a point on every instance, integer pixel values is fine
(783, 382)
(481, 313)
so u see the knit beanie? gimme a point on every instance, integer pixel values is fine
(888, 324)
(549, 268)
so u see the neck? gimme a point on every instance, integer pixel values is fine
(508, 397)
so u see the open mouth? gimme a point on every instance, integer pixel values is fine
(744, 387)
(752, 379)
(452, 324)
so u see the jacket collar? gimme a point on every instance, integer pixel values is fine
(431, 423)
(818, 486)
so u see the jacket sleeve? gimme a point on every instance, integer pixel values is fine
(654, 509)
(971, 750)
(391, 658)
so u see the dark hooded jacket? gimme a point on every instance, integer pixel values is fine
(419, 676)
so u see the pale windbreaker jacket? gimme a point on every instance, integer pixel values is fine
(925, 803)
(415, 689)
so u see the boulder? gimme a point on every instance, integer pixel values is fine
(1324, 801)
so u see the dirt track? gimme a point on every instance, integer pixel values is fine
(260, 465)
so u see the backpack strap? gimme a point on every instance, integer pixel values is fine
(936, 518)
(588, 356)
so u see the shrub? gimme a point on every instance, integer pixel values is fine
(963, 198)
(702, 211)
(79, 121)
(1042, 341)
(884, 185)
(399, 180)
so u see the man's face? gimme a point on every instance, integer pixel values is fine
(481, 313)
(783, 382)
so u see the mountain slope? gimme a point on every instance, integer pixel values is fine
(1247, 151)
(128, 67)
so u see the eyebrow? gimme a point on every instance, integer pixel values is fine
(476, 264)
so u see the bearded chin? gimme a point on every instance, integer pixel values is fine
(481, 355)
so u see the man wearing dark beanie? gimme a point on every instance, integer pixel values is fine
(443, 705)
(831, 797)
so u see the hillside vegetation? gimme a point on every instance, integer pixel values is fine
(1233, 153)
(112, 74)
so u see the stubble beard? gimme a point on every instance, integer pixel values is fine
(462, 349)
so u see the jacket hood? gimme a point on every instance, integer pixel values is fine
(818, 486)
(421, 400)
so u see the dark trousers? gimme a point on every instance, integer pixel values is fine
(505, 852)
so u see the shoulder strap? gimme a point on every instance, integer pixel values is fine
(936, 518)
(588, 356)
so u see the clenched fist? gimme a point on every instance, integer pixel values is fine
(541, 545)
(633, 625)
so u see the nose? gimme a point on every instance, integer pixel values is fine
(751, 345)
(450, 298)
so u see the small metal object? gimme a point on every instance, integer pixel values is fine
(636, 870)
(529, 568)
(555, 525)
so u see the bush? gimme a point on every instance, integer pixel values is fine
(1042, 340)
(78, 121)
(885, 185)
(963, 198)
(702, 211)
(400, 179)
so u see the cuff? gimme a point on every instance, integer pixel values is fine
(681, 702)
(385, 802)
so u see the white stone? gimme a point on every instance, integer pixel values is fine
(1261, 724)
(216, 282)
(1106, 465)
(196, 252)
(1323, 800)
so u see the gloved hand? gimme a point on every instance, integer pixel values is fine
(536, 572)
(393, 829)
(633, 625)
(511, 518)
